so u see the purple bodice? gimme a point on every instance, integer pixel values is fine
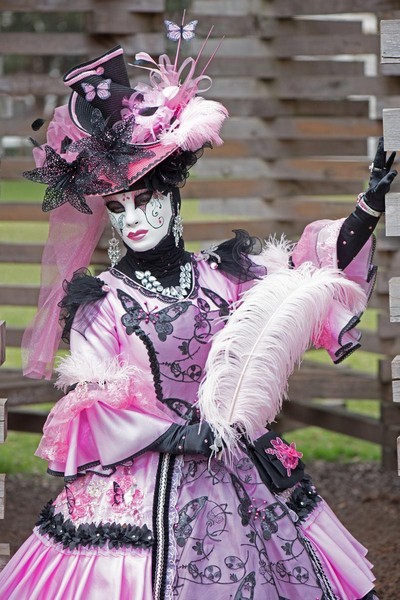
(173, 337)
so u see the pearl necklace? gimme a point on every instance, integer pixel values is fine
(149, 282)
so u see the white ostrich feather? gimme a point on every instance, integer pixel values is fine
(276, 253)
(74, 369)
(199, 122)
(252, 357)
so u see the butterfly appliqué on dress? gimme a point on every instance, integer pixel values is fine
(102, 90)
(176, 32)
(162, 319)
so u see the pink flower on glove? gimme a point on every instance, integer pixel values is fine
(288, 455)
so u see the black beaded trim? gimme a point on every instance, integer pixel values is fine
(304, 498)
(161, 524)
(319, 571)
(137, 286)
(90, 535)
(154, 365)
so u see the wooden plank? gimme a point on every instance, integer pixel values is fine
(23, 211)
(390, 41)
(231, 7)
(3, 420)
(32, 254)
(309, 169)
(322, 45)
(2, 342)
(73, 44)
(317, 68)
(20, 253)
(398, 455)
(289, 27)
(392, 220)
(29, 420)
(390, 413)
(336, 419)
(387, 330)
(325, 128)
(117, 19)
(19, 295)
(395, 367)
(390, 70)
(272, 149)
(332, 382)
(4, 555)
(45, 6)
(394, 299)
(339, 86)
(14, 334)
(24, 391)
(321, 7)
(391, 128)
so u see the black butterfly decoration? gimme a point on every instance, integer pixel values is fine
(221, 303)
(118, 493)
(70, 499)
(244, 508)
(162, 320)
(187, 515)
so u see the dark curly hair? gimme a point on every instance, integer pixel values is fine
(173, 171)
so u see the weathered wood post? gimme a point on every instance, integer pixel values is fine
(390, 53)
(4, 548)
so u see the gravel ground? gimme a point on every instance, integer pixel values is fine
(363, 496)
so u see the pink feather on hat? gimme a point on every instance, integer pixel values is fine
(199, 122)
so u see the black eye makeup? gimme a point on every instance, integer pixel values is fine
(143, 199)
(115, 207)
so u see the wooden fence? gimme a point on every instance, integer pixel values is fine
(390, 54)
(304, 92)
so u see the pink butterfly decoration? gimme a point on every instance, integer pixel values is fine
(177, 32)
(102, 90)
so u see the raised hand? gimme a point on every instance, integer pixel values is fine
(381, 178)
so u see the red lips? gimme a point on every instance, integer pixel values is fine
(137, 235)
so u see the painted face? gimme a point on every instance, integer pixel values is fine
(141, 217)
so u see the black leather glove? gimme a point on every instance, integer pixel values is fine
(186, 439)
(380, 179)
(358, 227)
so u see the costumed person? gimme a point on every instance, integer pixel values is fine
(174, 486)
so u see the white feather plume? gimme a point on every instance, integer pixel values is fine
(252, 357)
(75, 368)
(199, 122)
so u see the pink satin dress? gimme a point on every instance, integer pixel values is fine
(135, 524)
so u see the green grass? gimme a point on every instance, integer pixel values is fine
(21, 191)
(317, 443)
(17, 454)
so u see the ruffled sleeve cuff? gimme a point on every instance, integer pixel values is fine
(318, 245)
(101, 423)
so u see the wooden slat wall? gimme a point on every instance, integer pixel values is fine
(297, 137)
(390, 54)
